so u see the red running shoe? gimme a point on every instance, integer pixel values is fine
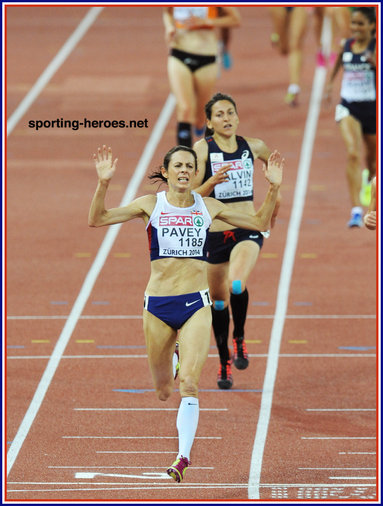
(178, 468)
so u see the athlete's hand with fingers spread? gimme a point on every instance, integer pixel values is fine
(274, 170)
(104, 165)
(221, 175)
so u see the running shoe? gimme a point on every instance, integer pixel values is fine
(365, 192)
(291, 97)
(176, 360)
(224, 378)
(356, 220)
(241, 360)
(178, 468)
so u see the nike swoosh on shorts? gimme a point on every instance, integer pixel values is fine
(190, 303)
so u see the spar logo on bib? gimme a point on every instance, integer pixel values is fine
(174, 221)
(246, 161)
(198, 221)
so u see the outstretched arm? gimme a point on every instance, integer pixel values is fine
(262, 152)
(170, 29)
(261, 221)
(98, 215)
(329, 86)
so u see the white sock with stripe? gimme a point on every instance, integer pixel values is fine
(187, 422)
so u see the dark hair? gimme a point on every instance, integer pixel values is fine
(209, 106)
(368, 12)
(157, 174)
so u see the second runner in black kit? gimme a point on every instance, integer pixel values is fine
(226, 172)
(238, 188)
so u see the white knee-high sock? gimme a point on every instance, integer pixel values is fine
(187, 422)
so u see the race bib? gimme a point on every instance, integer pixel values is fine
(240, 183)
(358, 86)
(181, 235)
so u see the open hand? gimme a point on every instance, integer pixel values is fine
(221, 175)
(274, 170)
(104, 166)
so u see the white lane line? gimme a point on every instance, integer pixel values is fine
(338, 437)
(119, 467)
(131, 451)
(340, 409)
(286, 275)
(251, 317)
(262, 485)
(146, 475)
(135, 437)
(88, 284)
(144, 409)
(352, 478)
(53, 66)
(337, 468)
(251, 355)
(357, 453)
(131, 486)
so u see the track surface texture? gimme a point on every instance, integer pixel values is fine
(99, 434)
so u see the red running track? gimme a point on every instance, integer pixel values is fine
(100, 433)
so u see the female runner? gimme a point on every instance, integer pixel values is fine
(356, 113)
(225, 164)
(192, 62)
(177, 294)
(289, 25)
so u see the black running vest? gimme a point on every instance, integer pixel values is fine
(240, 185)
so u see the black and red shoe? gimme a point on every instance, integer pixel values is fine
(224, 377)
(241, 360)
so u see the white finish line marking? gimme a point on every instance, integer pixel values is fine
(338, 437)
(143, 476)
(145, 409)
(352, 478)
(340, 409)
(119, 467)
(135, 437)
(357, 453)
